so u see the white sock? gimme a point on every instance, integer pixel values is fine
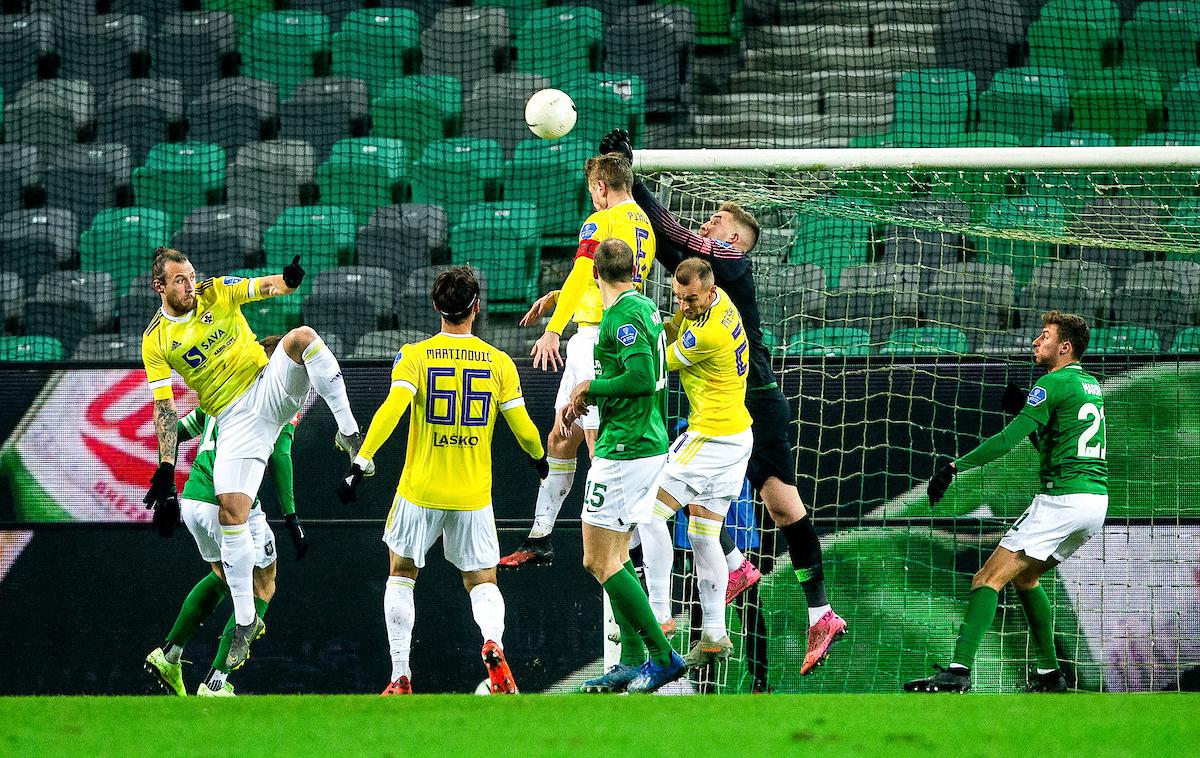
(326, 376)
(216, 680)
(711, 576)
(487, 605)
(400, 613)
(657, 556)
(173, 653)
(815, 614)
(237, 559)
(734, 560)
(551, 494)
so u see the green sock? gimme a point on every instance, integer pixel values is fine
(260, 606)
(981, 609)
(629, 599)
(633, 650)
(197, 607)
(1041, 625)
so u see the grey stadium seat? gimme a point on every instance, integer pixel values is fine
(18, 170)
(194, 48)
(24, 40)
(325, 110)
(1007, 343)
(140, 113)
(92, 288)
(12, 296)
(378, 344)
(223, 237)
(347, 315)
(1082, 287)
(1126, 218)
(982, 36)
(789, 295)
(370, 284)
(85, 178)
(496, 106)
(971, 296)
(99, 48)
(1160, 294)
(35, 242)
(403, 238)
(135, 309)
(927, 248)
(654, 43)
(268, 176)
(49, 111)
(108, 347)
(466, 43)
(66, 321)
(414, 308)
(233, 112)
(876, 298)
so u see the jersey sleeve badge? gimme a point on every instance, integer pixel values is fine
(588, 231)
(231, 280)
(688, 339)
(627, 334)
(1037, 396)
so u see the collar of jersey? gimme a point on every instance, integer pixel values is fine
(178, 319)
(618, 205)
(1075, 365)
(456, 336)
(622, 296)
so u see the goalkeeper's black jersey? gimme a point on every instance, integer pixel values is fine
(732, 269)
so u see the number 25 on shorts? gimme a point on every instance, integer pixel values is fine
(594, 497)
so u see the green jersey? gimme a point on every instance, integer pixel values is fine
(199, 484)
(1073, 438)
(631, 427)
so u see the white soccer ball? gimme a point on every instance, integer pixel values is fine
(550, 113)
(484, 687)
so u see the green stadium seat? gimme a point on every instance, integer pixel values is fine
(830, 241)
(363, 173)
(285, 47)
(1183, 219)
(501, 239)
(926, 340)
(605, 101)
(1081, 48)
(561, 43)
(179, 177)
(1040, 215)
(31, 348)
(884, 139)
(1103, 13)
(549, 173)
(1076, 138)
(1123, 102)
(245, 11)
(519, 11)
(1167, 10)
(417, 109)
(985, 139)
(377, 45)
(934, 105)
(1026, 102)
(830, 342)
(718, 22)
(278, 315)
(455, 173)
(1187, 340)
(1183, 102)
(1166, 45)
(1123, 340)
(322, 235)
(121, 241)
(1071, 189)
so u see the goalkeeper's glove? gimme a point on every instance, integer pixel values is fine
(296, 532)
(541, 466)
(347, 491)
(617, 141)
(164, 500)
(940, 483)
(1013, 401)
(293, 274)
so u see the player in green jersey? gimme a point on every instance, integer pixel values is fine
(631, 448)
(1065, 413)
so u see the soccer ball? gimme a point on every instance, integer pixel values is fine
(484, 687)
(550, 113)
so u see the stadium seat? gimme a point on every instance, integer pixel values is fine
(550, 175)
(235, 111)
(466, 43)
(221, 237)
(1160, 294)
(350, 302)
(373, 285)
(1081, 287)
(121, 240)
(85, 179)
(654, 43)
(975, 297)
(829, 342)
(278, 315)
(1168, 45)
(923, 244)
(94, 289)
(338, 11)
(417, 109)
(500, 239)
(790, 296)
(560, 43)
(1122, 102)
(323, 111)
(245, 11)
(1128, 219)
(31, 348)
(49, 111)
(1187, 340)
(24, 40)
(1041, 216)
(380, 344)
(36, 242)
(13, 293)
(1168, 139)
(926, 340)
(830, 241)
(286, 47)
(981, 38)
(18, 170)
(364, 173)
(1076, 138)
(1104, 13)
(1123, 340)
(1070, 189)
(180, 176)
(1081, 48)
(455, 173)
(99, 49)
(268, 177)
(876, 298)
(65, 322)
(1183, 102)
(1183, 218)
(1026, 102)
(377, 45)
(933, 105)
(322, 235)
(414, 309)
(140, 113)
(194, 49)
(495, 107)
(605, 101)
(108, 347)
(403, 238)
(1007, 343)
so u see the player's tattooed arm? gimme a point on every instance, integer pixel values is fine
(166, 420)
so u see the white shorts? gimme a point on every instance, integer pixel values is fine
(249, 426)
(201, 520)
(707, 471)
(1054, 526)
(621, 494)
(469, 538)
(580, 366)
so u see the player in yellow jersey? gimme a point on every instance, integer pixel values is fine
(201, 334)
(455, 383)
(610, 180)
(707, 464)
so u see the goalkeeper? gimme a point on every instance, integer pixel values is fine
(725, 242)
(199, 511)
(1065, 409)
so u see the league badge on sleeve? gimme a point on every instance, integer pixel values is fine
(1037, 396)
(688, 339)
(587, 231)
(627, 334)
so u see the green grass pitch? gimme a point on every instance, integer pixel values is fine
(567, 725)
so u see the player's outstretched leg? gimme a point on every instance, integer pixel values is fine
(711, 576)
(217, 680)
(399, 613)
(165, 662)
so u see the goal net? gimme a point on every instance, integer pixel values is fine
(900, 292)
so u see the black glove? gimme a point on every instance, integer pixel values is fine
(296, 532)
(347, 491)
(617, 141)
(164, 499)
(940, 483)
(541, 466)
(293, 274)
(1013, 399)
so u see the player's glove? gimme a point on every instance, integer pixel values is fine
(163, 498)
(293, 274)
(347, 491)
(1013, 399)
(541, 466)
(617, 141)
(940, 483)
(296, 532)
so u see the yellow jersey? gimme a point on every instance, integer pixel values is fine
(457, 385)
(711, 355)
(625, 221)
(212, 348)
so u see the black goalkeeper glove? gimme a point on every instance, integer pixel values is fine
(541, 466)
(940, 483)
(1013, 399)
(617, 141)
(164, 500)
(347, 491)
(293, 274)
(296, 532)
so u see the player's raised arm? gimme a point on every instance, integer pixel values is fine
(281, 284)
